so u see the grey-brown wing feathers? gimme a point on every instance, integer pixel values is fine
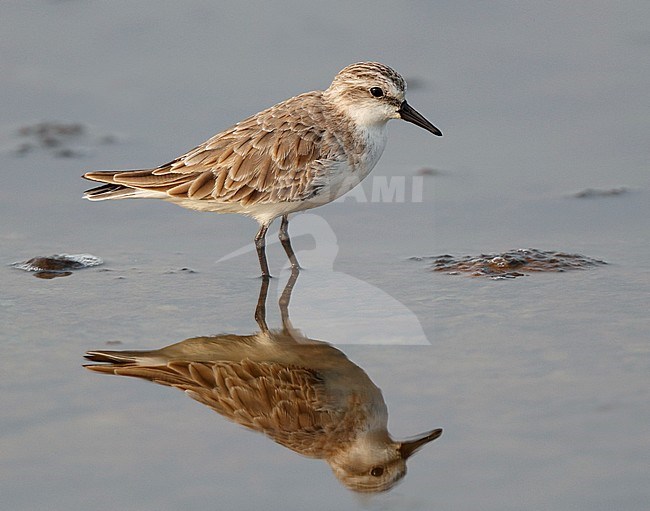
(276, 155)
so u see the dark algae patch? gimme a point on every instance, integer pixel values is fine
(511, 264)
(60, 265)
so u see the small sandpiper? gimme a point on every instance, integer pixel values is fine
(299, 154)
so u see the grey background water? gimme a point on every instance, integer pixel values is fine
(541, 383)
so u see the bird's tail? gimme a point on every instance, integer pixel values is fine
(138, 364)
(109, 191)
(115, 357)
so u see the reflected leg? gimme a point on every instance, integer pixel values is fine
(260, 310)
(285, 297)
(260, 245)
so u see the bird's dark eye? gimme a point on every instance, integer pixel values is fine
(376, 92)
(377, 471)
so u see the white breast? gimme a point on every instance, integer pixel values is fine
(341, 177)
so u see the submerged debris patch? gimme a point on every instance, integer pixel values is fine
(59, 265)
(181, 270)
(511, 264)
(61, 140)
(592, 192)
(428, 171)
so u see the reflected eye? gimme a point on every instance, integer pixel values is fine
(376, 92)
(377, 471)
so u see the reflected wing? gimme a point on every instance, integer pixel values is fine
(273, 156)
(289, 404)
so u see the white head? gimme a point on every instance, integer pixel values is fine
(372, 93)
(377, 463)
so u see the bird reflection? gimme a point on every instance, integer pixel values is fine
(304, 394)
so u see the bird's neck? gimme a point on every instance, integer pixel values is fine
(373, 139)
(362, 134)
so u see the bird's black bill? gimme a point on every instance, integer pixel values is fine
(409, 447)
(410, 114)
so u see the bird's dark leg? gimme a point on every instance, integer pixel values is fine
(283, 234)
(260, 245)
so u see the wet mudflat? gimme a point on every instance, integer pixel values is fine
(540, 383)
